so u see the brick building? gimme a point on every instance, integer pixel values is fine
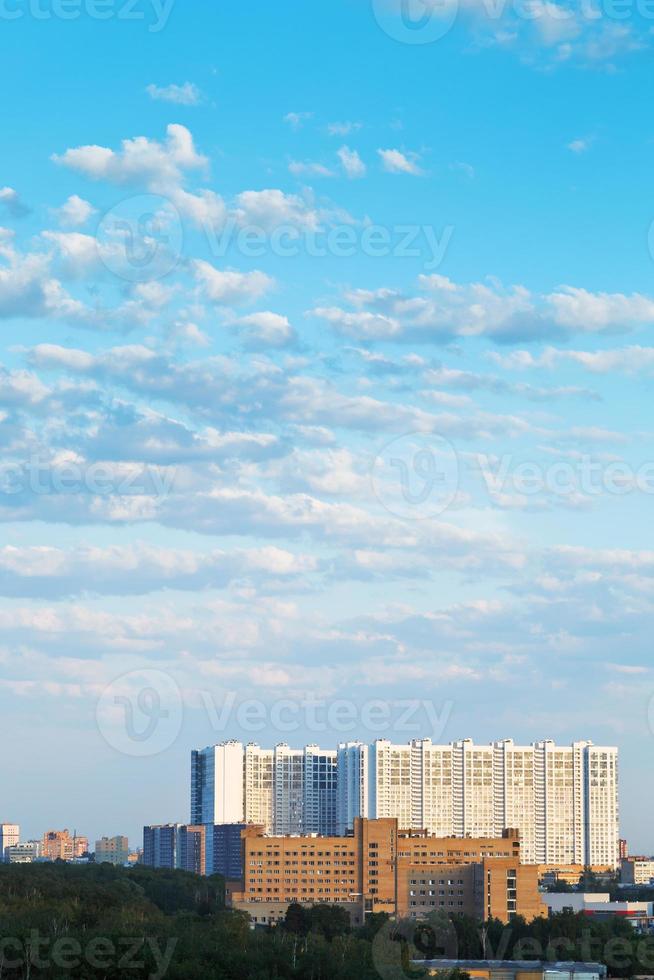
(381, 868)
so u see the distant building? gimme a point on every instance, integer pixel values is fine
(191, 848)
(637, 871)
(160, 844)
(226, 856)
(623, 849)
(599, 904)
(9, 837)
(562, 798)
(59, 845)
(515, 969)
(112, 850)
(381, 868)
(175, 845)
(24, 853)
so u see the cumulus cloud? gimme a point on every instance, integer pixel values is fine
(266, 329)
(227, 286)
(74, 212)
(139, 161)
(444, 309)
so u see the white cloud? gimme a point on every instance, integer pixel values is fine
(227, 286)
(271, 208)
(445, 309)
(186, 94)
(396, 162)
(140, 160)
(266, 329)
(351, 162)
(74, 212)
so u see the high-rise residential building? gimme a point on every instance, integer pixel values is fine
(320, 791)
(288, 783)
(217, 784)
(9, 837)
(176, 846)
(563, 799)
(112, 850)
(284, 790)
(160, 846)
(259, 781)
(226, 857)
(61, 845)
(352, 789)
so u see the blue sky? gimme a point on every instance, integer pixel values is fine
(257, 264)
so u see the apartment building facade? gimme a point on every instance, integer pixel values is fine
(61, 845)
(176, 846)
(563, 799)
(112, 850)
(9, 837)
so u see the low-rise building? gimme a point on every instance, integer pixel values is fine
(112, 850)
(516, 969)
(25, 853)
(637, 871)
(599, 904)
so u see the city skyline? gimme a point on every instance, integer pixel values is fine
(324, 383)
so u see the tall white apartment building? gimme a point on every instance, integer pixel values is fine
(9, 837)
(217, 784)
(563, 799)
(287, 791)
(259, 786)
(288, 816)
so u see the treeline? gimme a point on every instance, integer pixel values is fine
(60, 920)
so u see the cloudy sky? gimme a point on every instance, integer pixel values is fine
(325, 388)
